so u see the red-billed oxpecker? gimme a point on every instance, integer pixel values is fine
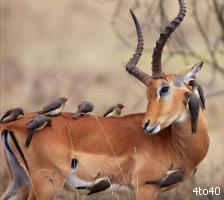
(198, 91)
(11, 115)
(83, 109)
(55, 107)
(114, 111)
(38, 123)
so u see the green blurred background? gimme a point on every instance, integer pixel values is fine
(78, 49)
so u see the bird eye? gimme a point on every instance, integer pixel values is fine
(164, 90)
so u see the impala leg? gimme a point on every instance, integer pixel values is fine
(19, 184)
(32, 196)
(146, 193)
(46, 185)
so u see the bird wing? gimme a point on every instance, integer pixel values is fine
(7, 113)
(172, 178)
(52, 106)
(37, 122)
(201, 94)
(86, 107)
(99, 186)
(28, 139)
(194, 105)
(110, 110)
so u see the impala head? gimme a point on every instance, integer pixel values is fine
(166, 94)
(167, 98)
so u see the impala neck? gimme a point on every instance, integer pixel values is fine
(190, 148)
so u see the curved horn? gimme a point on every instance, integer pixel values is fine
(164, 35)
(131, 65)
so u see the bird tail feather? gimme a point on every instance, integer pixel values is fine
(77, 115)
(28, 139)
(154, 182)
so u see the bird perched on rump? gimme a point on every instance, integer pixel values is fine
(12, 114)
(83, 108)
(198, 90)
(98, 185)
(38, 123)
(55, 107)
(114, 111)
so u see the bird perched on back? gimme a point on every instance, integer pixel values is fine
(198, 90)
(12, 114)
(55, 107)
(114, 111)
(38, 123)
(83, 108)
(171, 177)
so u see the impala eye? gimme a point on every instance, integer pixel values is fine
(164, 90)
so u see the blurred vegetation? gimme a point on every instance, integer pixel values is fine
(78, 48)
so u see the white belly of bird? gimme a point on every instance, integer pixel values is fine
(19, 117)
(41, 127)
(7, 118)
(115, 113)
(111, 114)
(55, 112)
(196, 93)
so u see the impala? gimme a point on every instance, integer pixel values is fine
(130, 150)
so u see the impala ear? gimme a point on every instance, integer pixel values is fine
(188, 73)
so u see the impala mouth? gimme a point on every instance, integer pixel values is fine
(152, 130)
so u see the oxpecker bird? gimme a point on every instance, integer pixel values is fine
(38, 123)
(98, 185)
(194, 106)
(198, 90)
(171, 177)
(83, 108)
(12, 114)
(55, 107)
(114, 111)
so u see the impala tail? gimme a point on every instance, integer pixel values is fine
(19, 185)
